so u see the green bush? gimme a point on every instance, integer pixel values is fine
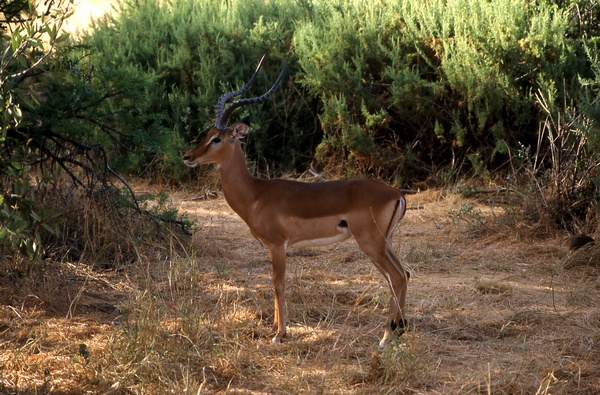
(397, 89)
(448, 79)
(186, 54)
(55, 112)
(27, 40)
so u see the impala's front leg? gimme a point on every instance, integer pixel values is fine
(278, 260)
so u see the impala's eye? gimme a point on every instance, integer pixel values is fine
(215, 140)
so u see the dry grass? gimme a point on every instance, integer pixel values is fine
(492, 312)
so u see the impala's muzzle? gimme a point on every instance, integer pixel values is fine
(188, 162)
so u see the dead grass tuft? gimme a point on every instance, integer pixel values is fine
(396, 365)
(587, 256)
(491, 287)
(101, 223)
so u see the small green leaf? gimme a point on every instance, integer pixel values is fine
(53, 231)
(16, 39)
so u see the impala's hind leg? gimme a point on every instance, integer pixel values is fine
(398, 286)
(397, 278)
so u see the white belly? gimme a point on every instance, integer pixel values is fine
(343, 235)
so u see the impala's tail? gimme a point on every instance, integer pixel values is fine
(399, 211)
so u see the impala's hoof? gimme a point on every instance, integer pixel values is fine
(396, 328)
(399, 327)
(387, 337)
(384, 342)
(277, 338)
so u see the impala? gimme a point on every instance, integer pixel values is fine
(282, 213)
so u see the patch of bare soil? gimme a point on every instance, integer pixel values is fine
(491, 312)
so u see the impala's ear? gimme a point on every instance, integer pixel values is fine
(241, 128)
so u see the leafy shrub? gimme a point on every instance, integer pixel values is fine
(54, 113)
(185, 54)
(24, 222)
(400, 90)
(31, 39)
(446, 79)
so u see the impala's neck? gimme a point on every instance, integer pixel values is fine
(237, 182)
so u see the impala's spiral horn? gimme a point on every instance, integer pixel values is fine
(222, 116)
